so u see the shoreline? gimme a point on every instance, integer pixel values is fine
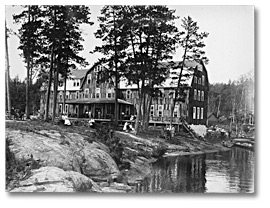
(60, 145)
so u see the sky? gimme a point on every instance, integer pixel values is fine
(229, 46)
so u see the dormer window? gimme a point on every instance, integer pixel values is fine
(78, 83)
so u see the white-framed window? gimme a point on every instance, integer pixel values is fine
(97, 92)
(194, 112)
(202, 96)
(199, 81)
(152, 110)
(160, 110)
(198, 112)
(195, 79)
(86, 93)
(60, 84)
(109, 95)
(203, 79)
(74, 84)
(60, 97)
(195, 94)
(89, 79)
(128, 94)
(201, 113)
(60, 108)
(199, 95)
(66, 108)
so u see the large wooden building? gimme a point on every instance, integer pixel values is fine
(84, 94)
(193, 109)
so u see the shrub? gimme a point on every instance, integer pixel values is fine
(159, 151)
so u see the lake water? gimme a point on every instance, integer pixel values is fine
(224, 172)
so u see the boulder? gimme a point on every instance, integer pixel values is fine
(69, 151)
(53, 179)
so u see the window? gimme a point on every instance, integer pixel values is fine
(194, 112)
(78, 83)
(88, 78)
(152, 110)
(195, 79)
(74, 84)
(60, 97)
(97, 95)
(198, 112)
(66, 108)
(60, 108)
(60, 84)
(160, 110)
(199, 95)
(195, 94)
(86, 92)
(203, 79)
(109, 95)
(201, 113)
(128, 94)
(77, 95)
(199, 82)
(202, 96)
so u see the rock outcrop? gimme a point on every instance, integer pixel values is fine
(69, 151)
(53, 179)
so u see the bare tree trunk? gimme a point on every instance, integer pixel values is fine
(65, 88)
(147, 113)
(116, 110)
(55, 86)
(46, 117)
(139, 110)
(27, 109)
(49, 86)
(7, 72)
(218, 111)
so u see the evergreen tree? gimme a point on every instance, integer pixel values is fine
(191, 41)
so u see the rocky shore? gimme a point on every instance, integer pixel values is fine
(72, 159)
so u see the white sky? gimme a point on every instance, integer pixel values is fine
(229, 46)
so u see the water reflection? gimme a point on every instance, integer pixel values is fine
(225, 172)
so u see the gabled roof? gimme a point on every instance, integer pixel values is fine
(174, 68)
(210, 114)
(79, 73)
